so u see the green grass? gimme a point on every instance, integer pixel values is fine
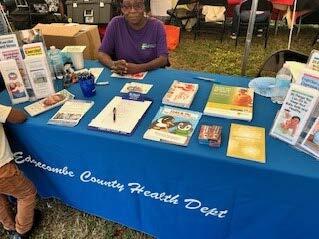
(204, 54)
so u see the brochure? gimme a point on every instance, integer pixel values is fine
(49, 102)
(180, 94)
(136, 76)
(39, 75)
(294, 113)
(309, 78)
(136, 87)
(313, 61)
(71, 112)
(33, 49)
(311, 141)
(121, 115)
(230, 102)
(13, 81)
(173, 125)
(8, 41)
(247, 142)
(15, 54)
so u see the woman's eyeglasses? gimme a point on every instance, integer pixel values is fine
(136, 6)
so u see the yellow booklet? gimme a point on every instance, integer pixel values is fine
(247, 142)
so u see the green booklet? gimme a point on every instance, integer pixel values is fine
(230, 102)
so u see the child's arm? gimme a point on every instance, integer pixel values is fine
(16, 116)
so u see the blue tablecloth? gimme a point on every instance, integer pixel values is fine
(170, 191)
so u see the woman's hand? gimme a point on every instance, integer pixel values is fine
(119, 67)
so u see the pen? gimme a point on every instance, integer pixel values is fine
(102, 83)
(114, 114)
(205, 78)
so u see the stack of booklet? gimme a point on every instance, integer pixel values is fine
(210, 135)
(247, 142)
(173, 126)
(230, 102)
(180, 94)
(71, 112)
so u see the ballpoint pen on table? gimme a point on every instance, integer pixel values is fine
(102, 83)
(206, 78)
(114, 114)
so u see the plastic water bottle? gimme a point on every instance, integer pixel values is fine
(57, 62)
(283, 80)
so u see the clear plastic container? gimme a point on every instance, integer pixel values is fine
(283, 80)
(57, 62)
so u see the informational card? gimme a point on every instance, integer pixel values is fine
(13, 81)
(40, 76)
(136, 76)
(71, 113)
(136, 87)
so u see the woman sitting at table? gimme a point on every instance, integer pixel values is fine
(133, 42)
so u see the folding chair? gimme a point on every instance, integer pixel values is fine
(275, 62)
(263, 5)
(201, 18)
(179, 14)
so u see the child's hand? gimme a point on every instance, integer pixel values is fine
(16, 116)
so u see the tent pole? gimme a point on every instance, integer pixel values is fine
(250, 31)
(293, 23)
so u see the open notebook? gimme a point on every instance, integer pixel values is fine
(120, 115)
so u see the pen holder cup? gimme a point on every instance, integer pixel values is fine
(87, 86)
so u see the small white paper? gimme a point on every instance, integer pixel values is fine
(101, 4)
(75, 4)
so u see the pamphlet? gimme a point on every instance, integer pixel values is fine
(136, 87)
(173, 125)
(230, 102)
(180, 94)
(247, 142)
(15, 54)
(294, 113)
(136, 76)
(33, 49)
(313, 61)
(39, 75)
(71, 112)
(13, 81)
(49, 102)
(8, 41)
(311, 141)
(120, 115)
(309, 78)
